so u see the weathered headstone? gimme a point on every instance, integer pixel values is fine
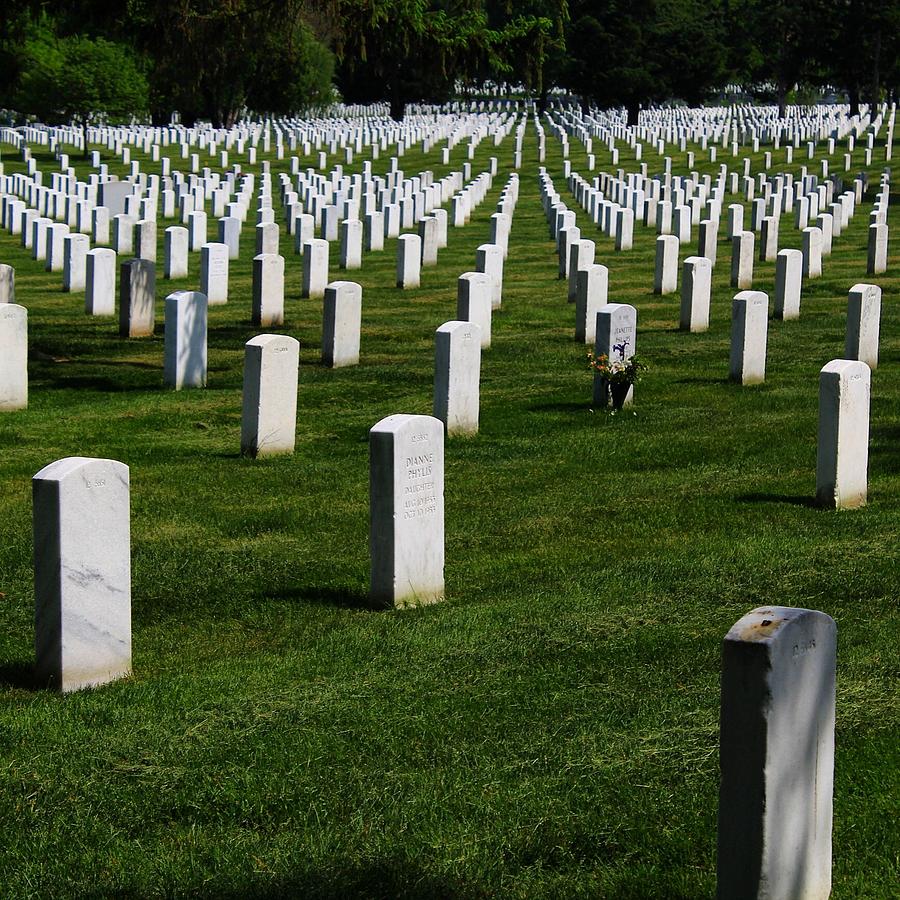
(13, 357)
(863, 323)
(185, 343)
(776, 756)
(137, 298)
(406, 489)
(82, 572)
(749, 332)
(341, 324)
(145, 239)
(7, 284)
(269, 413)
(878, 249)
(457, 373)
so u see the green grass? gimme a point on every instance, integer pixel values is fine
(548, 731)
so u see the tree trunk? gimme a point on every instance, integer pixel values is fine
(84, 137)
(634, 113)
(398, 103)
(782, 100)
(585, 104)
(853, 95)
(543, 99)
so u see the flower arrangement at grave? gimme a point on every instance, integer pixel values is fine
(617, 370)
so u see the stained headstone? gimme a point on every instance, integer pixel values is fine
(82, 572)
(863, 323)
(776, 756)
(7, 284)
(137, 298)
(406, 489)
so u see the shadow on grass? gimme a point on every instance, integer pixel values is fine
(794, 500)
(567, 407)
(378, 880)
(341, 597)
(19, 675)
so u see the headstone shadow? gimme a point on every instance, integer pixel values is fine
(792, 499)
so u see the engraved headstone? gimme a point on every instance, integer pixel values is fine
(341, 324)
(100, 282)
(214, 273)
(137, 298)
(176, 252)
(268, 289)
(406, 534)
(592, 293)
(617, 340)
(696, 286)
(13, 357)
(474, 292)
(315, 268)
(863, 323)
(409, 261)
(749, 332)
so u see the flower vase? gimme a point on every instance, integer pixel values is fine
(618, 393)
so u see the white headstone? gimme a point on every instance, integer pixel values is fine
(749, 331)
(666, 275)
(82, 572)
(137, 298)
(214, 268)
(489, 260)
(696, 287)
(776, 755)
(269, 416)
(185, 342)
(351, 232)
(13, 357)
(616, 340)
(863, 323)
(878, 249)
(457, 373)
(315, 268)
(268, 289)
(100, 282)
(788, 283)
(176, 252)
(75, 248)
(341, 324)
(592, 293)
(7, 284)
(742, 260)
(409, 261)
(406, 489)
(474, 292)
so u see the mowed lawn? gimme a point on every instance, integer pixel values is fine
(551, 730)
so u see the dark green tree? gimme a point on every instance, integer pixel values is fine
(635, 52)
(78, 79)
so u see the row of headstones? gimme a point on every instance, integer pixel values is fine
(334, 134)
(778, 663)
(708, 127)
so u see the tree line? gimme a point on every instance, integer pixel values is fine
(77, 60)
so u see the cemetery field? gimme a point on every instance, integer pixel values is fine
(551, 729)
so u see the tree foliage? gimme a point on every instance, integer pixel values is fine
(77, 78)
